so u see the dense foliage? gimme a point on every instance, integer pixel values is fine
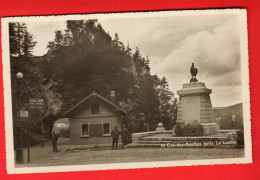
(85, 58)
(230, 117)
(240, 137)
(229, 122)
(188, 129)
(21, 41)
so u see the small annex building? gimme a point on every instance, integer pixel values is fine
(93, 119)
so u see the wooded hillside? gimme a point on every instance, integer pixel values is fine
(85, 58)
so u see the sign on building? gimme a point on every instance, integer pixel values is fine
(24, 113)
(36, 104)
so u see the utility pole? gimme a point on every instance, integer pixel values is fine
(19, 151)
(19, 75)
(19, 40)
(29, 135)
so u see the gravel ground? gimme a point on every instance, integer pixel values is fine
(45, 157)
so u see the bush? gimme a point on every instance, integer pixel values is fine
(227, 122)
(34, 140)
(189, 129)
(179, 128)
(240, 137)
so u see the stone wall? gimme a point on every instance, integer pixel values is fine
(206, 110)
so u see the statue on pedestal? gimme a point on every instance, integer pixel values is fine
(195, 104)
(194, 72)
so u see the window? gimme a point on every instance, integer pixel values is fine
(95, 130)
(106, 128)
(95, 109)
(84, 130)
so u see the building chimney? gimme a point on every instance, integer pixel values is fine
(113, 97)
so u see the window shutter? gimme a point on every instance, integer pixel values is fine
(95, 130)
(106, 128)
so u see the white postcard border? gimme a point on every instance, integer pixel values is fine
(11, 169)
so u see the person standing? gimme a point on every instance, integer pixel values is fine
(54, 142)
(124, 135)
(115, 134)
(42, 141)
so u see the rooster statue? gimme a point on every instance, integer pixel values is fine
(194, 72)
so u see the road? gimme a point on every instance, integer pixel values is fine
(45, 157)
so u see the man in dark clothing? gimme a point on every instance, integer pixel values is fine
(124, 135)
(41, 141)
(115, 133)
(54, 141)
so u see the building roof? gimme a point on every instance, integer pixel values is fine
(94, 94)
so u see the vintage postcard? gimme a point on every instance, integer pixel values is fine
(126, 90)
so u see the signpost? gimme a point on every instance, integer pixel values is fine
(24, 113)
(33, 100)
(37, 104)
(24, 116)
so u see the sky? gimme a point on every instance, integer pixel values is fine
(172, 43)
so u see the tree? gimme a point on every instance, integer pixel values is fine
(21, 41)
(89, 59)
(21, 60)
(58, 41)
(27, 44)
(168, 104)
(227, 122)
(13, 39)
(84, 58)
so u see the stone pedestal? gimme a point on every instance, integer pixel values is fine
(195, 104)
(160, 127)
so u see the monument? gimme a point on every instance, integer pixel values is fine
(195, 104)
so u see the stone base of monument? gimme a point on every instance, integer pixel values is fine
(210, 128)
(165, 139)
(195, 105)
(160, 127)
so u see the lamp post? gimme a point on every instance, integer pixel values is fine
(19, 150)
